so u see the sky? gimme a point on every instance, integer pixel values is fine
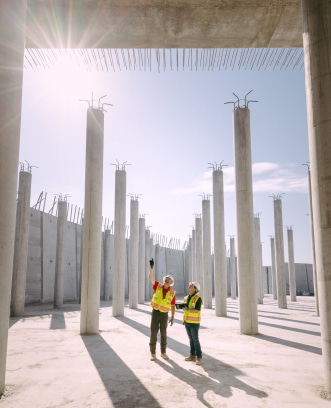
(169, 128)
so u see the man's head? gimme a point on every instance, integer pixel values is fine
(168, 280)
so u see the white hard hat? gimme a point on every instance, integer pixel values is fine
(170, 277)
(196, 285)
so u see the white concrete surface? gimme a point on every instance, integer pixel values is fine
(50, 365)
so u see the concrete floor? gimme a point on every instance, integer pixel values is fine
(50, 365)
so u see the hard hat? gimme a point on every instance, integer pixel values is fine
(170, 277)
(196, 285)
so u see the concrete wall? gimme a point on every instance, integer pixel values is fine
(42, 252)
(303, 275)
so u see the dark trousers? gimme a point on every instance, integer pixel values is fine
(159, 322)
(192, 330)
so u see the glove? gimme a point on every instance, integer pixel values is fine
(151, 263)
(181, 306)
(171, 321)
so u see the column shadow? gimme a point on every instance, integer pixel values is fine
(288, 343)
(124, 388)
(220, 378)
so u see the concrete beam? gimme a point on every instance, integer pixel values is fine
(164, 24)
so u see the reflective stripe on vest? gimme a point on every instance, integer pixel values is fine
(158, 303)
(190, 317)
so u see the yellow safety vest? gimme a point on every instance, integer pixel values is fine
(158, 303)
(190, 317)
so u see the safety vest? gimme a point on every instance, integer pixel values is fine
(158, 303)
(190, 317)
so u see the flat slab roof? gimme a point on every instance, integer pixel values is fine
(164, 24)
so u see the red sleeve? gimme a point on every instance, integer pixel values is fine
(173, 300)
(156, 284)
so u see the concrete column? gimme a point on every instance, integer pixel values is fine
(146, 264)
(198, 252)
(233, 269)
(245, 223)
(92, 234)
(158, 261)
(79, 255)
(12, 33)
(206, 247)
(21, 244)
(189, 266)
(119, 243)
(273, 268)
(152, 255)
(193, 276)
(133, 257)
(291, 265)
(220, 272)
(62, 208)
(141, 261)
(279, 250)
(313, 243)
(317, 58)
(108, 244)
(258, 264)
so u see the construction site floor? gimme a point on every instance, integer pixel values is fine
(49, 364)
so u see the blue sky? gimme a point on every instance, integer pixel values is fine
(168, 127)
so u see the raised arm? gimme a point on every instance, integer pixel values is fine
(151, 271)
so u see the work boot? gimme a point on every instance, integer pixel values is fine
(199, 361)
(190, 358)
(153, 357)
(165, 356)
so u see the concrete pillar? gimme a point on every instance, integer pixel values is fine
(198, 252)
(158, 261)
(108, 245)
(62, 210)
(313, 243)
(233, 269)
(291, 265)
(193, 276)
(258, 264)
(91, 262)
(152, 255)
(189, 268)
(12, 33)
(273, 268)
(147, 258)
(188, 257)
(220, 272)
(141, 261)
(317, 58)
(21, 244)
(206, 247)
(133, 257)
(245, 223)
(119, 243)
(279, 251)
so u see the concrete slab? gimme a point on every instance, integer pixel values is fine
(164, 24)
(50, 365)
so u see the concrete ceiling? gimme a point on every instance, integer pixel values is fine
(164, 24)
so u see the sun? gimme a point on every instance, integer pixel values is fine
(65, 82)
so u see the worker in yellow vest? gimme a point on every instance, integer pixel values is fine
(191, 320)
(163, 301)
